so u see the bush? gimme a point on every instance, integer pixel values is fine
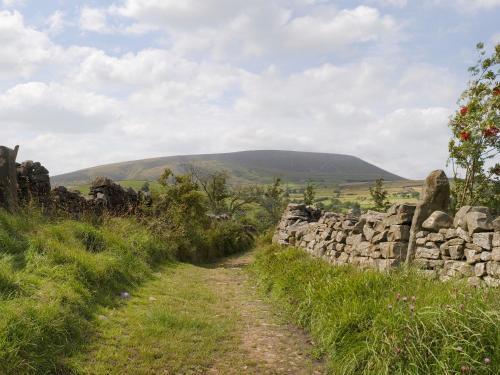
(367, 322)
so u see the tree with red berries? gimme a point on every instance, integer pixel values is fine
(475, 145)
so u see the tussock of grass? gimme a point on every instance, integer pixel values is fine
(52, 276)
(396, 323)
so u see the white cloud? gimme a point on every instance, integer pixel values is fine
(216, 82)
(464, 6)
(55, 108)
(56, 22)
(186, 13)
(398, 3)
(358, 25)
(93, 19)
(481, 3)
(23, 48)
(13, 3)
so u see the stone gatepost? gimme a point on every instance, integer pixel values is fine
(435, 197)
(8, 178)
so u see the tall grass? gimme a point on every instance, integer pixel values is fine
(54, 273)
(372, 323)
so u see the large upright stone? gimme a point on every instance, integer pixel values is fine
(435, 197)
(8, 178)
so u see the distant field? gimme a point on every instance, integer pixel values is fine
(399, 191)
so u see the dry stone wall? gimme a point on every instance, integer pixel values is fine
(372, 240)
(467, 246)
(29, 182)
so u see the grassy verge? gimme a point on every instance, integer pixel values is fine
(52, 277)
(373, 323)
(172, 325)
(55, 274)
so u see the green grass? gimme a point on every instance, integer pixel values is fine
(56, 273)
(53, 275)
(171, 325)
(362, 326)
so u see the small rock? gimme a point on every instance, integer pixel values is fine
(125, 295)
(478, 222)
(483, 239)
(437, 221)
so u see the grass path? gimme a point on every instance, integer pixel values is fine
(197, 320)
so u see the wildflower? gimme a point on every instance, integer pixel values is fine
(413, 298)
(464, 110)
(405, 299)
(398, 297)
(465, 369)
(487, 361)
(389, 307)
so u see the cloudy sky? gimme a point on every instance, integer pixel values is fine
(84, 83)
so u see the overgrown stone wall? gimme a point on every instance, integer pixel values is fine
(29, 182)
(373, 240)
(467, 246)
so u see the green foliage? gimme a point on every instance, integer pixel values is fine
(273, 201)
(146, 187)
(366, 322)
(309, 193)
(379, 195)
(476, 138)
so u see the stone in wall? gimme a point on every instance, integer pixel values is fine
(435, 197)
(71, 202)
(33, 183)
(8, 178)
(466, 246)
(109, 196)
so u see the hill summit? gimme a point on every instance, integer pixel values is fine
(245, 167)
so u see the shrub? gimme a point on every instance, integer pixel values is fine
(367, 322)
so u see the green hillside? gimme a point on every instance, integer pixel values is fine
(255, 167)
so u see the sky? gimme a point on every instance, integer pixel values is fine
(85, 83)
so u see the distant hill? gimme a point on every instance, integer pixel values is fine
(245, 167)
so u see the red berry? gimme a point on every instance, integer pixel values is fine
(491, 131)
(464, 111)
(496, 91)
(465, 136)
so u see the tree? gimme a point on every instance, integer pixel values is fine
(180, 204)
(476, 140)
(242, 196)
(379, 195)
(214, 185)
(309, 193)
(274, 200)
